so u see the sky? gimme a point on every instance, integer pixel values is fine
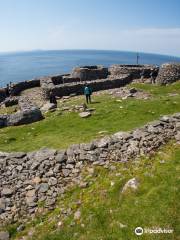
(151, 26)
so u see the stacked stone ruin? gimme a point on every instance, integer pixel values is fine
(87, 73)
(168, 73)
(31, 180)
(134, 70)
(98, 77)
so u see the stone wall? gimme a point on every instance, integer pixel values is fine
(29, 180)
(2, 94)
(87, 73)
(78, 87)
(134, 70)
(19, 87)
(168, 73)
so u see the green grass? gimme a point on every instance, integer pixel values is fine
(60, 130)
(104, 209)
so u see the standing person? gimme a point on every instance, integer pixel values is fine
(142, 75)
(152, 74)
(87, 93)
(52, 98)
(7, 90)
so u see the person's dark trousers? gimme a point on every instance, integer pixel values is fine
(88, 98)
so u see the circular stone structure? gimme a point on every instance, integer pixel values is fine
(168, 73)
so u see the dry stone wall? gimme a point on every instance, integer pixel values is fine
(19, 87)
(134, 70)
(168, 73)
(34, 179)
(78, 87)
(87, 73)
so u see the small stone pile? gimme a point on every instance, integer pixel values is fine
(125, 93)
(31, 180)
(168, 73)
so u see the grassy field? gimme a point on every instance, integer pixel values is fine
(107, 214)
(60, 129)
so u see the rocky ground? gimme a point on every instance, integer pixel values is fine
(34, 95)
(126, 92)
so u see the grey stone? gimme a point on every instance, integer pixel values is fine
(20, 228)
(43, 187)
(177, 137)
(61, 157)
(66, 172)
(2, 205)
(7, 192)
(50, 202)
(4, 235)
(24, 117)
(84, 114)
(77, 215)
(48, 106)
(31, 201)
(123, 135)
(52, 181)
(103, 142)
(131, 184)
(43, 154)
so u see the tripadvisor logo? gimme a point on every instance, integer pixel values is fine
(139, 231)
(155, 230)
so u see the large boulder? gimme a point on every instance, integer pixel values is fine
(24, 117)
(168, 73)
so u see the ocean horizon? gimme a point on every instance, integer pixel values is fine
(26, 65)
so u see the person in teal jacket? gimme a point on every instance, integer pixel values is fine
(88, 93)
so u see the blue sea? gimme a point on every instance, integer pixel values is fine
(22, 66)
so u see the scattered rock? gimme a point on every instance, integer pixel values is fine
(48, 106)
(132, 184)
(77, 215)
(20, 228)
(84, 114)
(83, 185)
